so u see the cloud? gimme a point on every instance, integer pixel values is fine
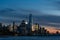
(10, 15)
(57, 4)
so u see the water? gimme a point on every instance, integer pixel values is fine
(32, 38)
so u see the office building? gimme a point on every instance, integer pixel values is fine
(30, 22)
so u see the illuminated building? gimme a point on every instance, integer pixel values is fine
(35, 27)
(10, 28)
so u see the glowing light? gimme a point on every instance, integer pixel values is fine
(26, 22)
(52, 29)
(33, 29)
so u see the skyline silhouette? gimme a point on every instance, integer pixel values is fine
(45, 12)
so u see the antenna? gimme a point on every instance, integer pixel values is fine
(13, 23)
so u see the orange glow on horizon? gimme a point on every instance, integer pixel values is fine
(52, 29)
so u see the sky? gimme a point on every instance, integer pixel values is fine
(50, 7)
(17, 8)
(46, 7)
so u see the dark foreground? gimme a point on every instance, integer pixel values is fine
(31, 38)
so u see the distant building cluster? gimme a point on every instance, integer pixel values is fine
(26, 28)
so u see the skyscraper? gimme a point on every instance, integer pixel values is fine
(30, 22)
(13, 25)
(0, 26)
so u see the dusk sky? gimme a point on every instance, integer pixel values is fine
(50, 7)
(10, 8)
(18, 8)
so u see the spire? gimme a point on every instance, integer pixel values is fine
(13, 25)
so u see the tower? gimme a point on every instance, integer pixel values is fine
(0, 26)
(13, 25)
(30, 22)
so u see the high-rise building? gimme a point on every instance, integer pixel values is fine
(22, 28)
(0, 26)
(10, 28)
(13, 25)
(35, 27)
(30, 22)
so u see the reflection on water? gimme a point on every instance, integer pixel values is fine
(32, 38)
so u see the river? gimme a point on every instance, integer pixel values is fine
(31, 38)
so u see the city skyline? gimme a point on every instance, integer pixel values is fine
(45, 12)
(27, 29)
(51, 29)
